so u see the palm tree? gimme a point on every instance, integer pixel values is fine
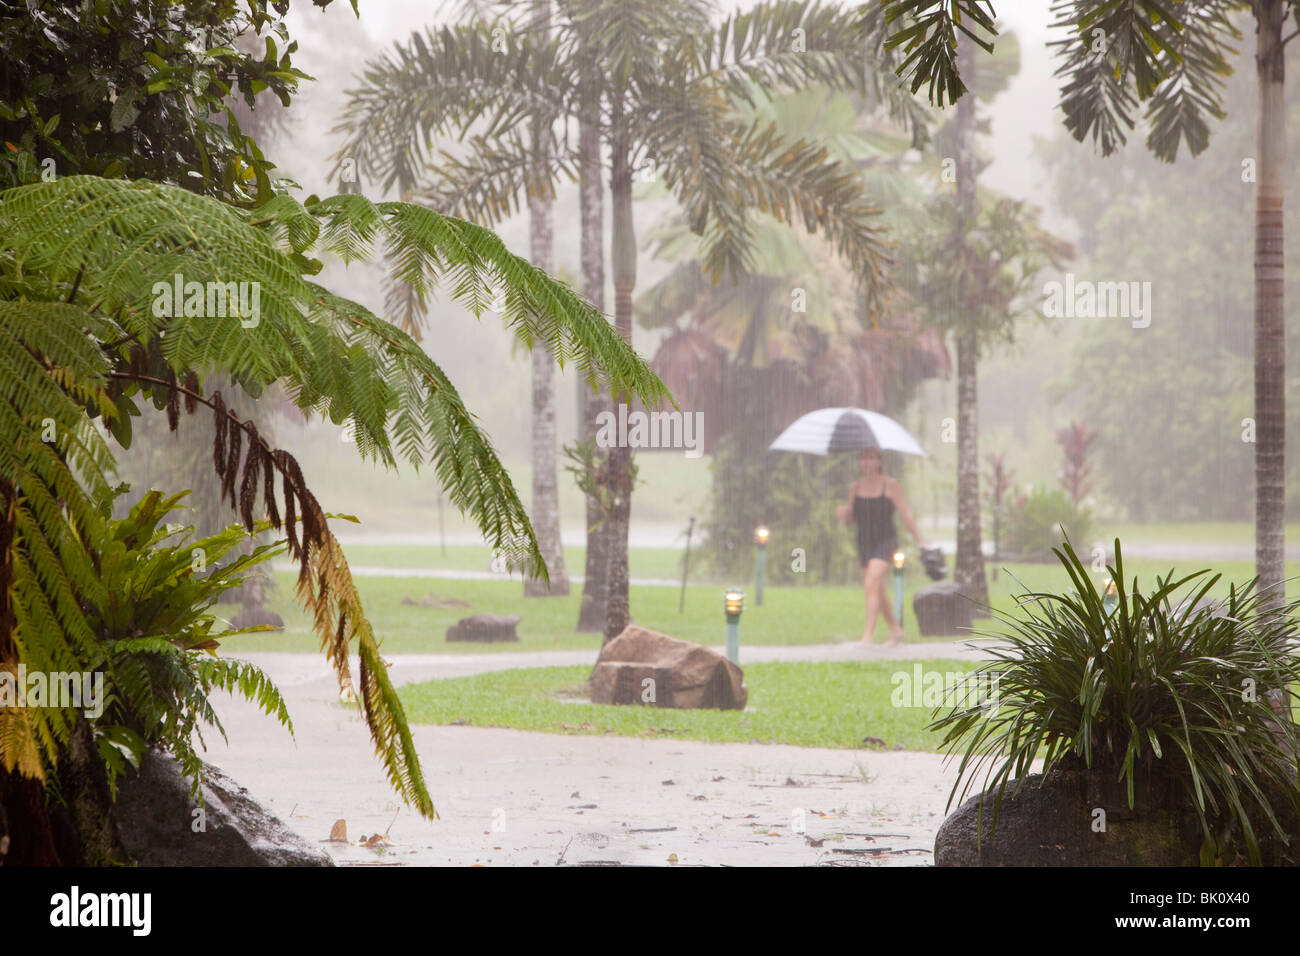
(591, 216)
(1173, 58)
(452, 105)
(82, 260)
(965, 311)
(659, 82)
(823, 350)
(968, 565)
(546, 492)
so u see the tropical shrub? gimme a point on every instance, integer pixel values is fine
(796, 497)
(1037, 522)
(1160, 689)
(158, 638)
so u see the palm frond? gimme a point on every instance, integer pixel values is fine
(755, 168)
(442, 83)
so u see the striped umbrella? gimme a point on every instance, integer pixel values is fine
(830, 430)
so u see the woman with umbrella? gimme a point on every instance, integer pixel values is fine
(873, 498)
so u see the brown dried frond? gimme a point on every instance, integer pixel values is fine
(313, 517)
(173, 402)
(193, 390)
(248, 484)
(290, 509)
(219, 424)
(232, 463)
(367, 692)
(268, 488)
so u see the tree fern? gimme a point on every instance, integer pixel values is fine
(80, 338)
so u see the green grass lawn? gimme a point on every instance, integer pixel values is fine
(789, 615)
(807, 704)
(663, 563)
(1240, 533)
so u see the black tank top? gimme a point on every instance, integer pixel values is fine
(875, 519)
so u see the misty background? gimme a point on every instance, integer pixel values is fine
(1167, 401)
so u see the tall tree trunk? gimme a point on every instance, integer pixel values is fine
(969, 565)
(623, 260)
(546, 496)
(591, 194)
(970, 559)
(1270, 325)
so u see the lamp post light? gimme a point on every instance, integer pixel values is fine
(1110, 598)
(733, 602)
(899, 560)
(761, 534)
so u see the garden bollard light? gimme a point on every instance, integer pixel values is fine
(899, 559)
(760, 561)
(733, 602)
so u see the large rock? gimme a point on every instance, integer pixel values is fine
(684, 675)
(484, 629)
(942, 609)
(1057, 825)
(156, 820)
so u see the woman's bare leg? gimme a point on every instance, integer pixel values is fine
(872, 578)
(887, 611)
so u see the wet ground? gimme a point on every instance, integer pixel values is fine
(519, 798)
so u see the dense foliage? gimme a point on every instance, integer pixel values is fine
(1036, 521)
(141, 88)
(795, 496)
(158, 637)
(1166, 691)
(1170, 402)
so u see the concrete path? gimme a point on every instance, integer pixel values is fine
(510, 797)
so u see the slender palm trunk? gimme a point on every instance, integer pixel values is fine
(623, 260)
(969, 566)
(970, 560)
(591, 194)
(546, 497)
(1270, 325)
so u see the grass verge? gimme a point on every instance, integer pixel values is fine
(843, 705)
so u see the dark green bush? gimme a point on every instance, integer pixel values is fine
(1166, 692)
(796, 497)
(157, 635)
(1036, 523)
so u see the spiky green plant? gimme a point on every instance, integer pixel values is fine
(158, 640)
(81, 337)
(1165, 687)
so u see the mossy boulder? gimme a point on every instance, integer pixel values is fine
(1078, 818)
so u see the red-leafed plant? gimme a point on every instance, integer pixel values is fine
(1076, 441)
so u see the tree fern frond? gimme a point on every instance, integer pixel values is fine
(87, 269)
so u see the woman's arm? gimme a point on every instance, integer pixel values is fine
(895, 492)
